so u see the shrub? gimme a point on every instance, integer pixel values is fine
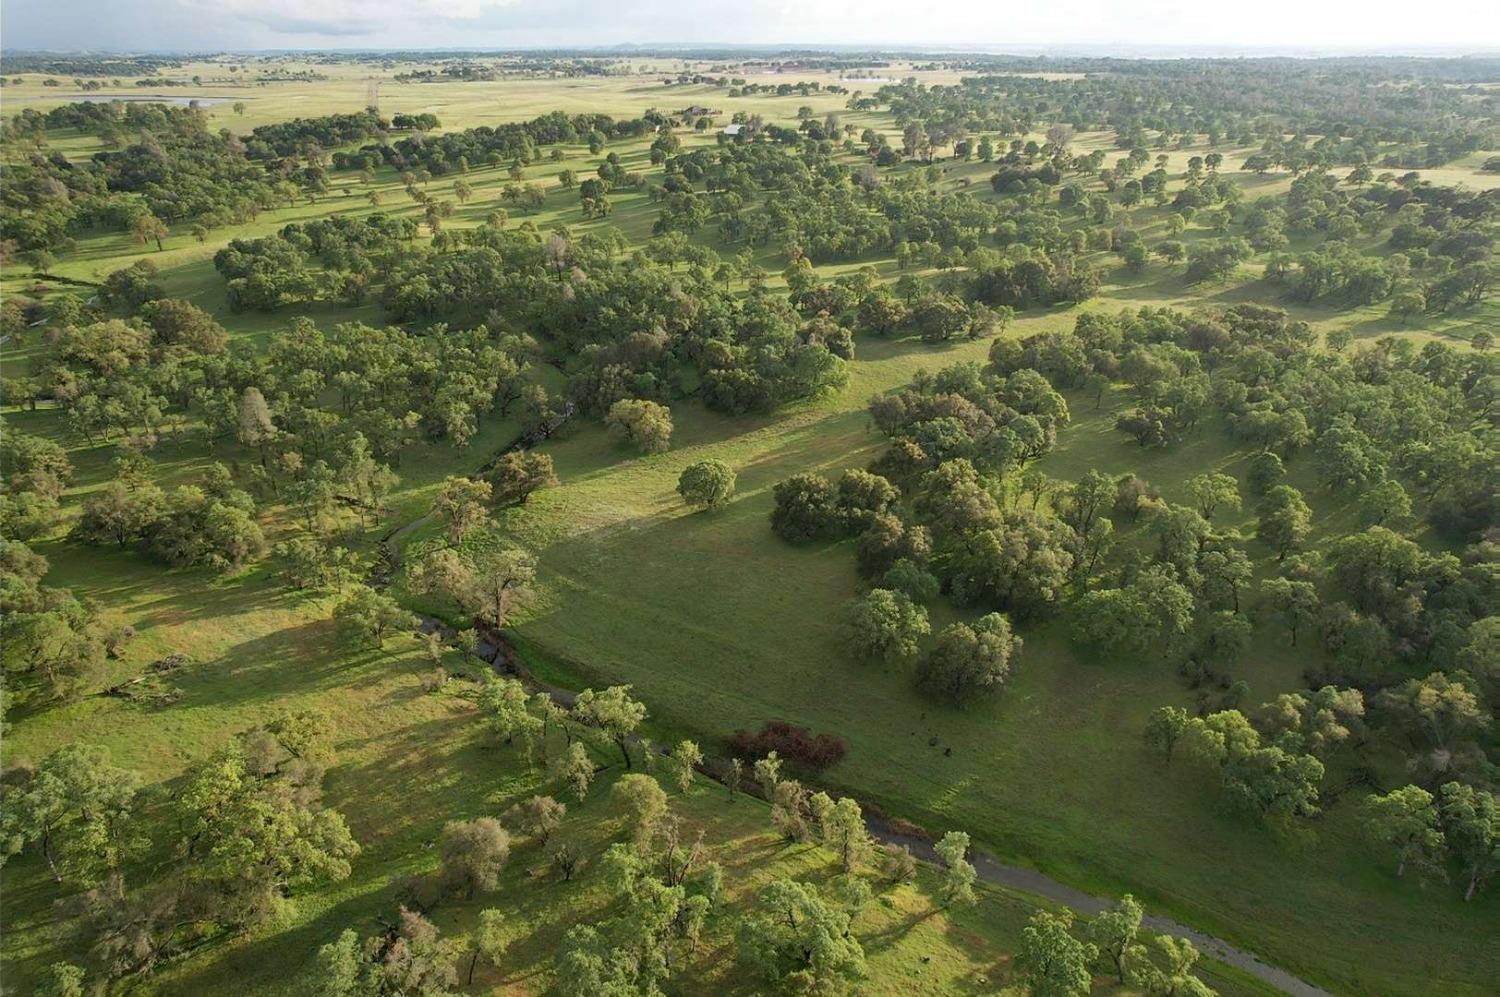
(806, 509)
(706, 484)
(795, 744)
(645, 425)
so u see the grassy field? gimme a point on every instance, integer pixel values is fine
(719, 625)
(459, 105)
(407, 761)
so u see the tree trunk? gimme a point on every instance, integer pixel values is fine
(57, 876)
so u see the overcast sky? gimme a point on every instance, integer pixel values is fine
(1158, 25)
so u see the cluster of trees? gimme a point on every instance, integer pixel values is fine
(1394, 431)
(928, 519)
(887, 624)
(252, 831)
(481, 578)
(174, 170)
(93, 65)
(1053, 960)
(954, 507)
(1390, 426)
(163, 164)
(992, 419)
(322, 412)
(1438, 255)
(809, 507)
(303, 137)
(54, 642)
(210, 524)
(807, 202)
(308, 137)
(607, 720)
(1459, 826)
(668, 894)
(36, 470)
(525, 66)
(1456, 275)
(965, 660)
(631, 326)
(319, 416)
(407, 956)
(1389, 418)
(1272, 762)
(103, 118)
(456, 152)
(1271, 766)
(1308, 113)
(265, 274)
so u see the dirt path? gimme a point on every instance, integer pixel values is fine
(1027, 880)
(495, 650)
(498, 652)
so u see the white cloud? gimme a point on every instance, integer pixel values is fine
(352, 16)
(1103, 26)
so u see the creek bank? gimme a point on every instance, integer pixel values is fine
(496, 649)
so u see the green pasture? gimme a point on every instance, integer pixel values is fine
(719, 625)
(457, 104)
(408, 761)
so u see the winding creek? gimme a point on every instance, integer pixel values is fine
(497, 651)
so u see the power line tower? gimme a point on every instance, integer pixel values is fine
(372, 95)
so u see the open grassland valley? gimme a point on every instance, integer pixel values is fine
(611, 524)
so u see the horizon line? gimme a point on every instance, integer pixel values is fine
(1032, 50)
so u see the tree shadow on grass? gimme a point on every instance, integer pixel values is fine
(260, 962)
(1460, 326)
(877, 941)
(305, 657)
(835, 442)
(137, 584)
